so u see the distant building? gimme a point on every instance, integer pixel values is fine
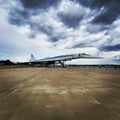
(6, 62)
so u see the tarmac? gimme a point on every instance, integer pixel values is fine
(60, 94)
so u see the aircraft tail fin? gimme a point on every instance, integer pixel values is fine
(32, 58)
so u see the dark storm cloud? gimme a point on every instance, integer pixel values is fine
(72, 14)
(81, 45)
(93, 3)
(29, 7)
(53, 22)
(42, 4)
(96, 28)
(48, 30)
(18, 17)
(21, 15)
(111, 13)
(111, 9)
(85, 44)
(110, 48)
(98, 3)
(70, 20)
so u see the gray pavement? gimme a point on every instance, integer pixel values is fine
(60, 94)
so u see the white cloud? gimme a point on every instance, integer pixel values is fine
(71, 8)
(110, 54)
(47, 26)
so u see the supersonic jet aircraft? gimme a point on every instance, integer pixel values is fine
(59, 59)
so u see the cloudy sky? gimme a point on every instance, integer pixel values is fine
(56, 27)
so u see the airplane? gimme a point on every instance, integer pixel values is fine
(59, 59)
